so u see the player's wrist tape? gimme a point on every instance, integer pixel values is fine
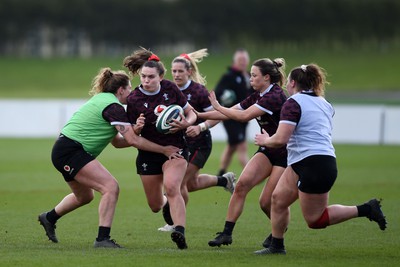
(203, 126)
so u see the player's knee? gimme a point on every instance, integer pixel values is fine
(192, 185)
(265, 207)
(241, 188)
(85, 199)
(322, 222)
(155, 207)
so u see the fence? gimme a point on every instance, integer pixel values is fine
(353, 124)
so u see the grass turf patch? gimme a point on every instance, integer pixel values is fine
(30, 185)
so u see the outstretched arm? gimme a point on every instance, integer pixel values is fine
(235, 112)
(127, 137)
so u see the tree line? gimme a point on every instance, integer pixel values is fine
(208, 23)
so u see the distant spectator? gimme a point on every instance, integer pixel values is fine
(233, 87)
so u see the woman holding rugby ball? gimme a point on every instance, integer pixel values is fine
(158, 172)
(187, 77)
(100, 120)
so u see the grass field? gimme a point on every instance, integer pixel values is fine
(30, 185)
(357, 70)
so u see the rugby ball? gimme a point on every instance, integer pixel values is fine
(228, 98)
(166, 116)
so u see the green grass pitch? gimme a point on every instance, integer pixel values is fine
(29, 185)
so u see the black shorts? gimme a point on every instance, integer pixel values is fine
(200, 150)
(277, 156)
(69, 157)
(317, 174)
(150, 163)
(236, 131)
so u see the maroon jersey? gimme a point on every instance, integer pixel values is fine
(270, 102)
(141, 101)
(197, 96)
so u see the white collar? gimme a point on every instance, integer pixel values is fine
(267, 90)
(186, 85)
(150, 93)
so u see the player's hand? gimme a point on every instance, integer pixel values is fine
(193, 131)
(213, 99)
(261, 139)
(172, 152)
(137, 128)
(178, 125)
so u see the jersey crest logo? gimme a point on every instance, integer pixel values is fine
(159, 109)
(165, 96)
(146, 105)
(189, 96)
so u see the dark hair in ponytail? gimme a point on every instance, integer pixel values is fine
(310, 77)
(274, 68)
(143, 58)
(107, 81)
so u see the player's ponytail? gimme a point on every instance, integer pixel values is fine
(310, 77)
(107, 81)
(274, 68)
(143, 58)
(190, 61)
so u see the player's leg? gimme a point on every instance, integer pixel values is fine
(285, 193)
(242, 153)
(153, 189)
(231, 129)
(226, 158)
(174, 170)
(256, 170)
(80, 196)
(318, 215)
(94, 175)
(266, 194)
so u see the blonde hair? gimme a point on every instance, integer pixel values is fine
(274, 68)
(310, 77)
(190, 61)
(108, 81)
(143, 58)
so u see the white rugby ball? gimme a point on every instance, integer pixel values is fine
(228, 98)
(166, 116)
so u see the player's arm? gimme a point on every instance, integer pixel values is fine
(290, 117)
(195, 130)
(116, 115)
(131, 139)
(236, 113)
(212, 115)
(279, 139)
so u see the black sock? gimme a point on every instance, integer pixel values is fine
(221, 172)
(221, 181)
(180, 229)
(52, 216)
(228, 229)
(104, 233)
(363, 210)
(277, 243)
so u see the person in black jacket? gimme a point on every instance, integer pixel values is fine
(233, 87)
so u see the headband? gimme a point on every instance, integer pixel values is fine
(153, 57)
(303, 68)
(185, 56)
